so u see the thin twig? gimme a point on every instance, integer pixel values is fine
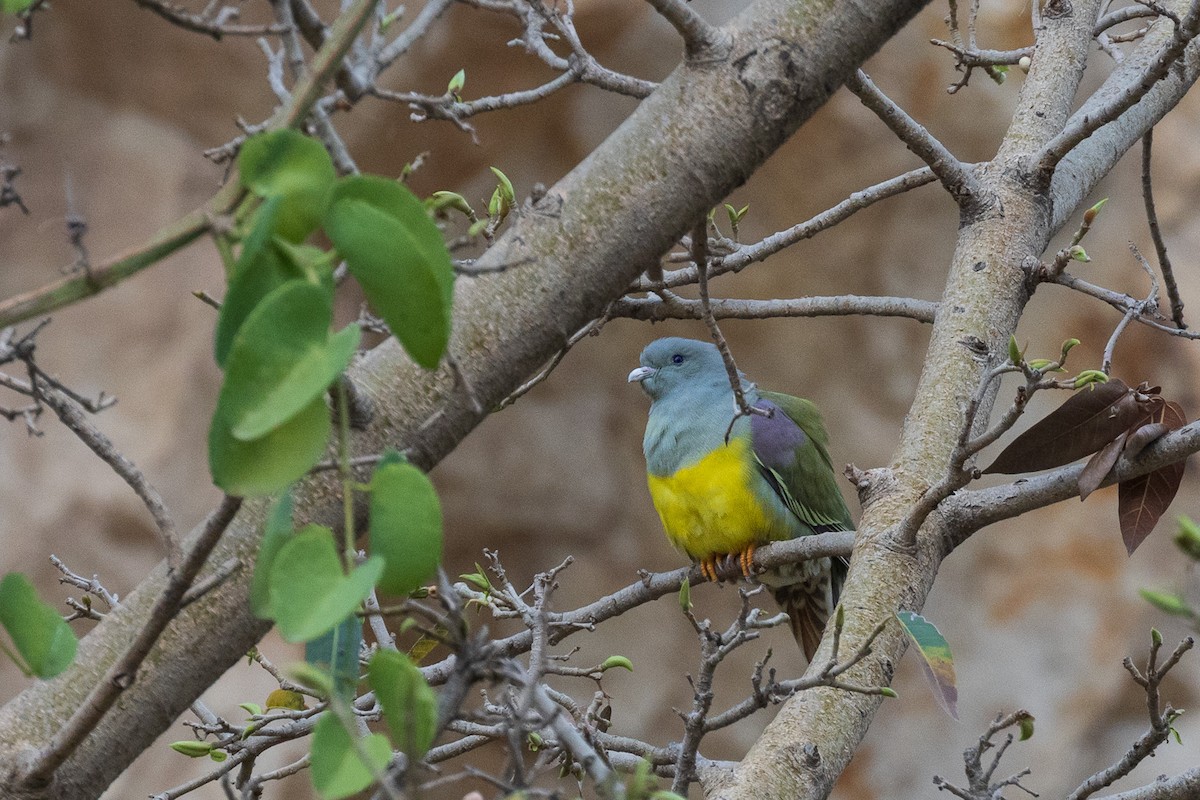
(72, 415)
(1160, 246)
(745, 255)
(699, 248)
(953, 174)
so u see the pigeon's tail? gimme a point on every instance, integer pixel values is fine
(810, 600)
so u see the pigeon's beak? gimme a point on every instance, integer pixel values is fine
(641, 373)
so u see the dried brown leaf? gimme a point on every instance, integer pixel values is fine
(1142, 501)
(1086, 422)
(1100, 465)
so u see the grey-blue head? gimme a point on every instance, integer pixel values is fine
(673, 362)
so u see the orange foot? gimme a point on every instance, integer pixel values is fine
(728, 566)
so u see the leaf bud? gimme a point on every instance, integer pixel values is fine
(192, 748)
(616, 661)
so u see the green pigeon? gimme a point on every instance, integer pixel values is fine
(723, 490)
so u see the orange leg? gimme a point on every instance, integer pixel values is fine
(708, 568)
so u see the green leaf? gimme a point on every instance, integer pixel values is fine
(1187, 538)
(336, 652)
(935, 658)
(1025, 724)
(1168, 602)
(685, 595)
(616, 661)
(266, 465)
(314, 679)
(276, 532)
(286, 699)
(42, 638)
(309, 592)
(405, 526)
(396, 253)
(282, 358)
(16, 6)
(293, 167)
(409, 705)
(338, 769)
(457, 83)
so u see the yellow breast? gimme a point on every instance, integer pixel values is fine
(710, 506)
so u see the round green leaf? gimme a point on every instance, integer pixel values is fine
(405, 526)
(397, 254)
(282, 358)
(276, 532)
(42, 638)
(337, 766)
(309, 592)
(293, 167)
(266, 465)
(409, 705)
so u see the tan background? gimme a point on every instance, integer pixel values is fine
(1039, 611)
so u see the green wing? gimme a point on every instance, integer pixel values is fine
(802, 473)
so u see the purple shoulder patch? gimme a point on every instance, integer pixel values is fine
(775, 438)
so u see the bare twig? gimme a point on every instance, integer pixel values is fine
(954, 175)
(214, 26)
(1161, 718)
(71, 415)
(699, 248)
(745, 255)
(671, 306)
(979, 777)
(1160, 246)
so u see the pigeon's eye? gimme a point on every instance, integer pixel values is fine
(677, 359)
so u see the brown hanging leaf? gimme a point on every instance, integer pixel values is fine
(1086, 422)
(1100, 465)
(1142, 501)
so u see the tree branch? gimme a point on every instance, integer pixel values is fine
(656, 309)
(702, 41)
(955, 177)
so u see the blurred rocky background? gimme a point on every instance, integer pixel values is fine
(107, 110)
